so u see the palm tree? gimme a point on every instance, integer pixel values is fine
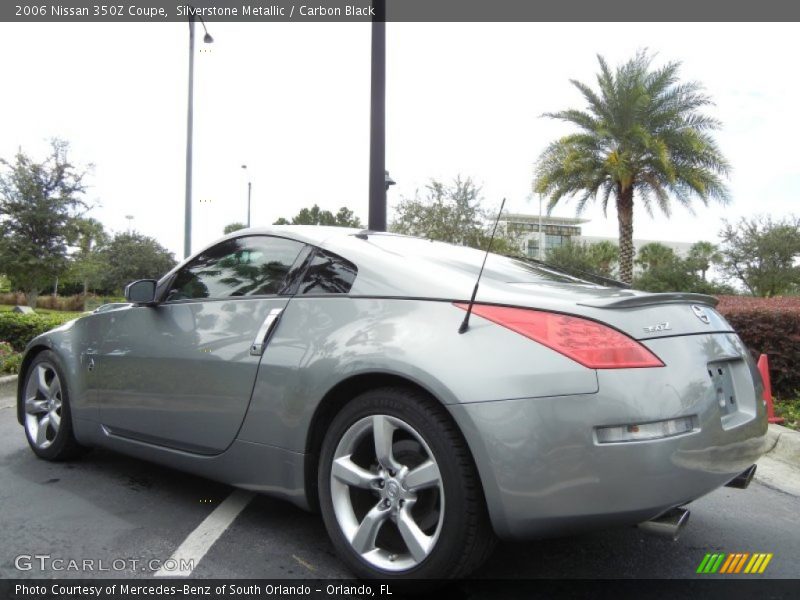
(641, 138)
(655, 256)
(702, 255)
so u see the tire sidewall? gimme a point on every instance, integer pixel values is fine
(63, 437)
(407, 407)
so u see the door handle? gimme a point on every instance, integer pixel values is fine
(260, 341)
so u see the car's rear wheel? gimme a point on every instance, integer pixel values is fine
(47, 417)
(399, 492)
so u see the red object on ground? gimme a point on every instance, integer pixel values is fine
(763, 368)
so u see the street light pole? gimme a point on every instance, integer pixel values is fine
(249, 191)
(187, 220)
(541, 232)
(377, 134)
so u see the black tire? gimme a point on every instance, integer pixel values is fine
(63, 445)
(465, 539)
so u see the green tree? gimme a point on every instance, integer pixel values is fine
(231, 227)
(663, 271)
(347, 218)
(131, 256)
(452, 214)
(642, 138)
(655, 255)
(39, 202)
(86, 267)
(762, 254)
(702, 255)
(605, 257)
(574, 256)
(316, 216)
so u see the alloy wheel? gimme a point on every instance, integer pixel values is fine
(43, 405)
(387, 493)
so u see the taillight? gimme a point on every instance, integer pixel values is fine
(589, 343)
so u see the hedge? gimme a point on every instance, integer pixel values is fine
(769, 326)
(77, 302)
(18, 329)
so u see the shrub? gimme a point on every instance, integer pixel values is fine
(17, 329)
(769, 326)
(10, 360)
(70, 303)
(78, 302)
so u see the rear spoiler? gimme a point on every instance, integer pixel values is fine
(650, 300)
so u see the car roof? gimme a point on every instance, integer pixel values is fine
(309, 234)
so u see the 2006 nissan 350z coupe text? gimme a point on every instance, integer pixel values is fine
(326, 366)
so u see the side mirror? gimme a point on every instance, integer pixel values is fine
(142, 291)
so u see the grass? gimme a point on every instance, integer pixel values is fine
(790, 411)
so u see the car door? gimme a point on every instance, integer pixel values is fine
(181, 373)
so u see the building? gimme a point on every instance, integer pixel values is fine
(556, 231)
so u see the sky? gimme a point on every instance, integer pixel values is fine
(291, 100)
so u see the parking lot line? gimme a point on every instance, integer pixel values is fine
(198, 542)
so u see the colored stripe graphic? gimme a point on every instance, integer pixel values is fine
(740, 564)
(753, 563)
(765, 563)
(720, 562)
(727, 567)
(703, 563)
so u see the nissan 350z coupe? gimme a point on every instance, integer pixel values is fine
(328, 367)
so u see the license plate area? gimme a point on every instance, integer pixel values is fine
(722, 381)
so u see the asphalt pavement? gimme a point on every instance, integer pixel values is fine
(106, 507)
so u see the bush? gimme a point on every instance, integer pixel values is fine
(9, 359)
(769, 326)
(17, 329)
(78, 302)
(68, 303)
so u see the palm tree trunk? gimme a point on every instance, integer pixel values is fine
(625, 217)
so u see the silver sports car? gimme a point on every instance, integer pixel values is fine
(346, 372)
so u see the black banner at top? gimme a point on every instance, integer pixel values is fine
(400, 10)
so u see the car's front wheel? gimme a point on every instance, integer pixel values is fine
(399, 492)
(47, 417)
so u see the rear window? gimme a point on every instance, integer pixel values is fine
(328, 273)
(498, 267)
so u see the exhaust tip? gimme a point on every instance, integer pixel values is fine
(742, 480)
(669, 524)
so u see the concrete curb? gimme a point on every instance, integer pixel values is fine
(784, 444)
(8, 385)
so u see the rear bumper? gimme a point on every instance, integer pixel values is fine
(544, 472)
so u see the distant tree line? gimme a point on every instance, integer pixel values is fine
(48, 242)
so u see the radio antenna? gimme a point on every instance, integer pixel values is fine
(465, 323)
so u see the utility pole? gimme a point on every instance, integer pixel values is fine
(541, 231)
(249, 191)
(187, 219)
(377, 133)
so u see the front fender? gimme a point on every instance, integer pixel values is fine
(68, 342)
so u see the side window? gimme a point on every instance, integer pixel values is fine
(328, 274)
(247, 266)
